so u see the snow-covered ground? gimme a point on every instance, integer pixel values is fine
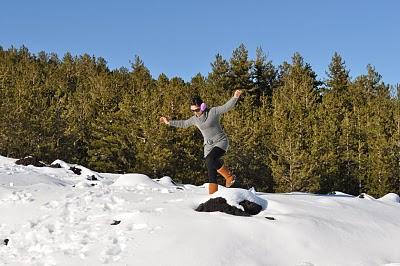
(51, 216)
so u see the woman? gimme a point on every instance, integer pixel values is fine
(215, 140)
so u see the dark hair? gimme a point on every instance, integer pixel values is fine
(196, 100)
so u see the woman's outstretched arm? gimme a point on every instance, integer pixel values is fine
(178, 123)
(229, 104)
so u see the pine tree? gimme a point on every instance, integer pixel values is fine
(295, 103)
(51, 104)
(82, 108)
(125, 121)
(395, 138)
(219, 76)
(382, 166)
(20, 104)
(334, 135)
(240, 70)
(107, 150)
(264, 76)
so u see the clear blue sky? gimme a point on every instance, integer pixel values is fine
(181, 38)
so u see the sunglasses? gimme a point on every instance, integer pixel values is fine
(195, 110)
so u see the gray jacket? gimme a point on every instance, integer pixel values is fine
(209, 125)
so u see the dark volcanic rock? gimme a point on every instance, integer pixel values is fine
(250, 207)
(92, 178)
(56, 165)
(76, 170)
(220, 204)
(30, 160)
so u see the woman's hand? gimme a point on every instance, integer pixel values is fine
(164, 120)
(237, 93)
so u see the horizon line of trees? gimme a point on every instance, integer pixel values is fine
(290, 131)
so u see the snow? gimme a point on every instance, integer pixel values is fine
(52, 216)
(167, 181)
(139, 181)
(85, 172)
(391, 197)
(234, 196)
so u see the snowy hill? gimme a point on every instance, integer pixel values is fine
(52, 216)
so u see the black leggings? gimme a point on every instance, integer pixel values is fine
(214, 162)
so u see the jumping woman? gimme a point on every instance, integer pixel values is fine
(215, 140)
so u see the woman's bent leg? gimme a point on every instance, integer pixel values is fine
(214, 162)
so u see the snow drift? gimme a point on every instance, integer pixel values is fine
(52, 216)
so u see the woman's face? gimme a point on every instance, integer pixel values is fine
(196, 110)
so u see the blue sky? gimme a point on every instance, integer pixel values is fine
(181, 38)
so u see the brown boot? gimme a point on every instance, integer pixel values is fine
(212, 187)
(227, 174)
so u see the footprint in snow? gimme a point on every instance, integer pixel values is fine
(117, 200)
(51, 204)
(21, 196)
(112, 251)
